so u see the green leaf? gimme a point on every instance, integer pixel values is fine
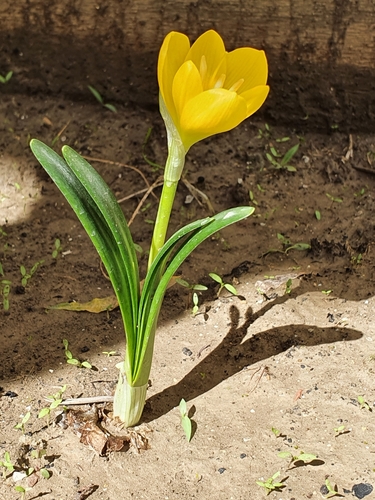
(111, 107)
(230, 288)
(306, 457)
(86, 364)
(96, 94)
(183, 407)
(289, 155)
(183, 242)
(215, 277)
(73, 361)
(284, 454)
(45, 473)
(299, 246)
(43, 412)
(187, 427)
(98, 210)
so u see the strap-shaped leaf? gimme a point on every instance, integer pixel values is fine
(197, 236)
(114, 217)
(95, 224)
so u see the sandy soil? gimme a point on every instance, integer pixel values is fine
(296, 362)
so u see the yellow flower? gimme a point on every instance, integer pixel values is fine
(205, 90)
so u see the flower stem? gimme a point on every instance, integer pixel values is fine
(162, 219)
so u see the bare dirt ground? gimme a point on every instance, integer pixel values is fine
(296, 362)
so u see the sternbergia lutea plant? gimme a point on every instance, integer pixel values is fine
(204, 90)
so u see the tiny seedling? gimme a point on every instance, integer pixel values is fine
(327, 292)
(282, 162)
(195, 304)
(21, 489)
(57, 248)
(305, 458)
(26, 276)
(5, 291)
(73, 361)
(21, 425)
(334, 199)
(99, 98)
(288, 286)
(56, 400)
(360, 193)
(270, 484)
(363, 404)
(109, 353)
(193, 288)
(185, 420)
(332, 490)
(318, 215)
(341, 429)
(264, 133)
(6, 78)
(7, 464)
(227, 286)
(356, 260)
(278, 433)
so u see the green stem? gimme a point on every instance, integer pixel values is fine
(129, 401)
(162, 219)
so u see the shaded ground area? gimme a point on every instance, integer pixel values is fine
(294, 361)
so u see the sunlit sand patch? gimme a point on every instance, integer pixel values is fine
(19, 190)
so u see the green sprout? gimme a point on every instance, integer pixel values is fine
(56, 400)
(193, 288)
(73, 361)
(305, 458)
(57, 249)
(318, 215)
(21, 425)
(7, 464)
(282, 162)
(332, 490)
(334, 199)
(185, 420)
(26, 276)
(99, 98)
(109, 353)
(6, 78)
(5, 292)
(362, 403)
(341, 429)
(227, 286)
(270, 484)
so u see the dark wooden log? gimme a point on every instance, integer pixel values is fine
(321, 52)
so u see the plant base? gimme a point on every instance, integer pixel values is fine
(128, 401)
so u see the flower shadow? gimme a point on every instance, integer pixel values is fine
(232, 355)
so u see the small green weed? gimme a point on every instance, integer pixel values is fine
(6, 78)
(332, 490)
(334, 198)
(99, 98)
(363, 404)
(21, 425)
(227, 286)
(185, 420)
(26, 276)
(5, 292)
(56, 400)
(280, 161)
(305, 458)
(271, 485)
(7, 464)
(57, 248)
(73, 361)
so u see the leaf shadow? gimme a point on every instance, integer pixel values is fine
(232, 355)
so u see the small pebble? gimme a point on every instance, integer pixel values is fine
(361, 490)
(243, 455)
(85, 348)
(221, 470)
(187, 351)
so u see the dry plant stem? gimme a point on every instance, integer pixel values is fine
(86, 401)
(158, 182)
(197, 193)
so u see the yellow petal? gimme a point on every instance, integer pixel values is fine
(186, 84)
(209, 113)
(255, 98)
(209, 46)
(172, 55)
(248, 64)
